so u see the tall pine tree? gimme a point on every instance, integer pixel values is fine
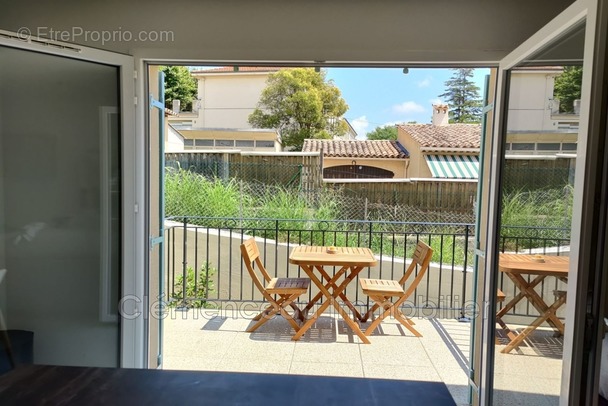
(462, 95)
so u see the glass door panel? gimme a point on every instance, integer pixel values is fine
(60, 205)
(538, 157)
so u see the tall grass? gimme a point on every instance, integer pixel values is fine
(541, 208)
(191, 194)
(542, 217)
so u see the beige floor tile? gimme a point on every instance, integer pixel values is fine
(426, 373)
(395, 351)
(530, 366)
(254, 366)
(521, 384)
(327, 353)
(189, 363)
(199, 341)
(244, 348)
(452, 375)
(326, 369)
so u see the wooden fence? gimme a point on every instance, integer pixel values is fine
(287, 169)
(426, 194)
(304, 171)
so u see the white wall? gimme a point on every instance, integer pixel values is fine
(228, 100)
(175, 142)
(530, 101)
(51, 198)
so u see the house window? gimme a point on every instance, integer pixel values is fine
(522, 146)
(547, 146)
(508, 146)
(569, 146)
(245, 144)
(204, 143)
(264, 144)
(224, 143)
(188, 143)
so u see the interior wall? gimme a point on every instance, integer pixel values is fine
(271, 30)
(50, 135)
(3, 301)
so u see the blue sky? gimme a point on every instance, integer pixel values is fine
(381, 96)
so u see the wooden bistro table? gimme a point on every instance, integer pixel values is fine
(516, 266)
(313, 260)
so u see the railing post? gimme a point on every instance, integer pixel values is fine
(369, 242)
(463, 318)
(185, 264)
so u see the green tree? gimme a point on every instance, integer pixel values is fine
(301, 104)
(568, 88)
(387, 132)
(179, 85)
(462, 95)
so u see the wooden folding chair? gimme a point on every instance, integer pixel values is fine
(381, 291)
(287, 289)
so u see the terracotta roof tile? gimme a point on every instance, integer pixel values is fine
(229, 69)
(448, 136)
(356, 148)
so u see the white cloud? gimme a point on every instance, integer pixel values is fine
(392, 123)
(426, 82)
(436, 101)
(360, 124)
(408, 107)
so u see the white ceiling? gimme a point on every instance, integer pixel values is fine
(465, 31)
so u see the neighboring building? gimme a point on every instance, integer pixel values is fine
(228, 95)
(361, 159)
(185, 138)
(350, 134)
(535, 126)
(440, 149)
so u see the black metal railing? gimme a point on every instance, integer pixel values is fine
(203, 257)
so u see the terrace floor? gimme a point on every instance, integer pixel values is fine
(206, 341)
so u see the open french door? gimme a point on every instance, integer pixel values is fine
(156, 212)
(71, 185)
(574, 39)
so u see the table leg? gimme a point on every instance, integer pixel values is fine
(536, 323)
(331, 299)
(324, 292)
(351, 323)
(330, 280)
(521, 294)
(537, 301)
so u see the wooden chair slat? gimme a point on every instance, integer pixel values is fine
(279, 292)
(381, 290)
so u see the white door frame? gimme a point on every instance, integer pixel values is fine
(579, 11)
(131, 326)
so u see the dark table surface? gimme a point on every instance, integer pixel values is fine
(59, 385)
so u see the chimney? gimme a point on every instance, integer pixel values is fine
(440, 114)
(176, 106)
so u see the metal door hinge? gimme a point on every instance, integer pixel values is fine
(155, 241)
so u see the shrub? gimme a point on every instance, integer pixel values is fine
(198, 288)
